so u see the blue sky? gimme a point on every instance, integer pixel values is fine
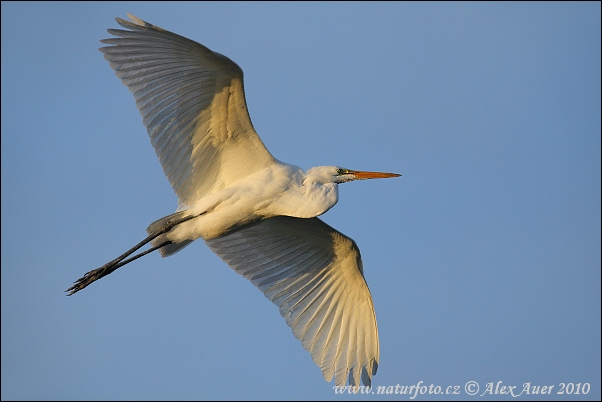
(483, 259)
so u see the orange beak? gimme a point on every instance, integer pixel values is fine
(360, 175)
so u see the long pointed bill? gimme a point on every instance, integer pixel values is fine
(360, 175)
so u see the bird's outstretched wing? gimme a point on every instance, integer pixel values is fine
(314, 274)
(193, 105)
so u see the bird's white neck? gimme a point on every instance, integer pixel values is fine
(319, 197)
(302, 194)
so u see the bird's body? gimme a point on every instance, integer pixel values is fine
(281, 189)
(257, 213)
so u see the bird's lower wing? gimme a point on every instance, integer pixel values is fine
(313, 273)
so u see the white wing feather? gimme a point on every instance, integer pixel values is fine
(193, 105)
(313, 273)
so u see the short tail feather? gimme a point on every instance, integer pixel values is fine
(157, 225)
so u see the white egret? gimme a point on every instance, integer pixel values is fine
(257, 213)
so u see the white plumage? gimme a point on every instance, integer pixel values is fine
(257, 213)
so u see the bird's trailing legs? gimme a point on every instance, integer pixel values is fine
(120, 261)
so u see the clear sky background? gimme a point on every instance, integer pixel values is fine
(483, 259)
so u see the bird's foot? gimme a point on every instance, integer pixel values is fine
(90, 277)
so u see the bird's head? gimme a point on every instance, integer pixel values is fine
(336, 174)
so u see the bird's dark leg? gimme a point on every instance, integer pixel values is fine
(106, 269)
(120, 261)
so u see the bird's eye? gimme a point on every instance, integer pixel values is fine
(341, 171)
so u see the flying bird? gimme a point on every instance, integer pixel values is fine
(257, 213)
